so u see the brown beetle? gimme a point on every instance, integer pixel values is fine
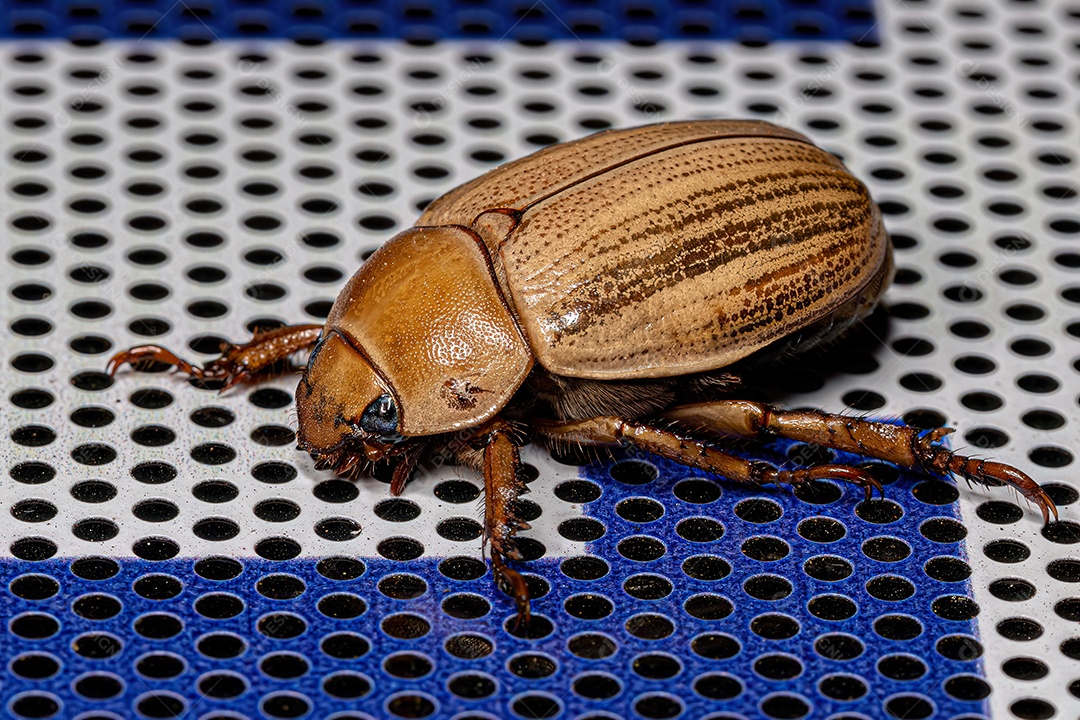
(604, 292)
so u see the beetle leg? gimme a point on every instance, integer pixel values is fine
(238, 363)
(501, 490)
(906, 446)
(695, 453)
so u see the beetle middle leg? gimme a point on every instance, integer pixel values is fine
(238, 363)
(908, 447)
(683, 449)
(502, 486)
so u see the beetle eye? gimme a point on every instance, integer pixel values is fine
(381, 418)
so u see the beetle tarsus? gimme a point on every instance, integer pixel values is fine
(144, 354)
(512, 583)
(942, 461)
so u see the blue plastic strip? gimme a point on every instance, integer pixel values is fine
(714, 657)
(431, 20)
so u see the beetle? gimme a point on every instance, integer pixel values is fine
(608, 291)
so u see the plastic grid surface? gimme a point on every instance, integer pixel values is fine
(422, 21)
(157, 189)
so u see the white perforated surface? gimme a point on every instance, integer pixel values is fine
(277, 168)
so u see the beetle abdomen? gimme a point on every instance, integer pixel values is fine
(690, 258)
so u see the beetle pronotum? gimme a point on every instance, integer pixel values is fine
(606, 291)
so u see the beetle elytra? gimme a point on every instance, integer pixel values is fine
(602, 292)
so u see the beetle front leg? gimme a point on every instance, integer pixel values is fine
(238, 363)
(502, 486)
(908, 447)
(695, 453)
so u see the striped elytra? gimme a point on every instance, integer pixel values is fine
(675, 248)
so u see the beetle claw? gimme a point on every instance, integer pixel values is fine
(141, 354)
(513, 584)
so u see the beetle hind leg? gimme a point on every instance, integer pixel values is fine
(905, 446)
(686, 450)
(237, 364)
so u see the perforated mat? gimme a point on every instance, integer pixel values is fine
(168, 553)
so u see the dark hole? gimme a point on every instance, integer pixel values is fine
(215, 491)
(218, 568)
(584, 567)
(821, 529)
(778, 667)
(588, 606)
(699, 529)
(405, 626)
(647, 587)
(213, 454)
(465, 606)
(955, 607)
(698, 492)
(153, 435)
(828, 568)
(943, 530)
(220, 645)
(90, 344)
(402, 587)
(157, 587)
(33, 511)
(273, 473)
(901, 667)
(578, 491)
(707, 606)
(890, 588)
(765, 549)
(886, 549)
(32, 472)
(215, 529)
(767, 587)
(34, 587)
(95, 529)
(757, 510)
(401, 549)
(155, 510)
(472, 647)
(576, 529)
(282, 626)
(276, 510)
(655, 666)
(639, 510)
(33, 548)
(451, 491)
(33, 436)
(345, 646)
(280, 587)
(34, 626)
(539, 627)
(155, 548)
(832, 607)
(93, 491)
(341, 568)
(706, 567)
(277, 548)
(219, 606)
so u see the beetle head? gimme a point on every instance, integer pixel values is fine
(347, 414)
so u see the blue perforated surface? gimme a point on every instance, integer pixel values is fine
(526, 20)
(766, 635)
